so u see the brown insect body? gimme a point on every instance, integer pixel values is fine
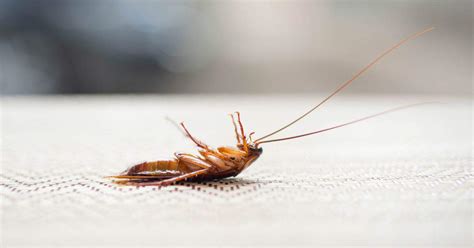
(230, 161)
(210, 164)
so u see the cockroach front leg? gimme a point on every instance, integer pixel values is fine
(237, 135)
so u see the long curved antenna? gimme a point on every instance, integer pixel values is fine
(344, 124)
(358, 74)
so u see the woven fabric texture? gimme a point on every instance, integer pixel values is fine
(401, 179)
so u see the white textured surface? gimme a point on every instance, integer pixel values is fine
(402, 179)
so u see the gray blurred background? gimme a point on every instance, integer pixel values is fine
(118, 46)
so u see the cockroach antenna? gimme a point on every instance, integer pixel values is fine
(344, 124)
(348, 82)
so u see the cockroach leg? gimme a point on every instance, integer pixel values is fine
(183, 177)
(237, 135)
(193, 160)
(244, 138)
(186, 133)
(196, 141)
(167, 181)
(175, 123)
(240, 124)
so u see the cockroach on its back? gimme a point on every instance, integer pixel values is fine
(229, 161)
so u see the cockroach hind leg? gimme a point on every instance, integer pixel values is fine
(169, 181)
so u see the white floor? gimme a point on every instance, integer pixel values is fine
(402, 179)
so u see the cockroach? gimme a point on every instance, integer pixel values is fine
(226, 161)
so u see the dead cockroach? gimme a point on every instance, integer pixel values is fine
(229, 161)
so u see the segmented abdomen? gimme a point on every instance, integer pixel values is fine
(153, 168)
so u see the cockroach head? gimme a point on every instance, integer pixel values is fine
(255, 150)
(252, 148)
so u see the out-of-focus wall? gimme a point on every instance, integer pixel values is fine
(232, 46)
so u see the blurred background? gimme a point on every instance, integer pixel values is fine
(119, 46)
